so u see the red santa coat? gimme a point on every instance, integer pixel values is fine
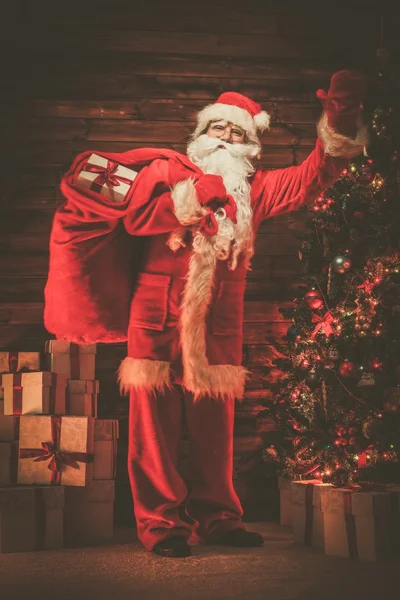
(113, 276)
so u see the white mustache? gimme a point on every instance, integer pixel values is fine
(206, 145)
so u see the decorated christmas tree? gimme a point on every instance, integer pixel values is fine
(336, 402)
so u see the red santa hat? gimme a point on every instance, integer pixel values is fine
(237, 109)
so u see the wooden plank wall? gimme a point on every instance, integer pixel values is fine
(117, 75)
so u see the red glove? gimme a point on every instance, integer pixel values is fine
(209, 188)
(343, 102)
(211, 192)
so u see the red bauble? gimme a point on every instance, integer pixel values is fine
(347, 369)
(314, 299)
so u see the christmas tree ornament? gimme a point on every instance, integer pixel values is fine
(333, 353)
(314, 299)
(367, 379)
(347, 369)
(341, 264)
(376, 363)
(371, 427)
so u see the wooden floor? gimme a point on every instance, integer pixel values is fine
(125, 571)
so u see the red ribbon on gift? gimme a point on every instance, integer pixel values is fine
(323, 323)
(74, 360)
(17, 394)
(13, 359)
(106, 175)
(309, 502)
(50, 451)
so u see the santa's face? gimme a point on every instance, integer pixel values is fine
(228, 132)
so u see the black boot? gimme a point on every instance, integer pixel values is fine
(241, 538)
(173, 547)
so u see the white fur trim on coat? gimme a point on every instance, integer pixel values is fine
(187, 208)
(201, 378)
(233, 114)
(337, 144)
(143, 373)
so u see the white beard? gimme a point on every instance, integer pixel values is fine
(233, 163)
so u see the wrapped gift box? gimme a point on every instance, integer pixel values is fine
(55, 450)
(308, 522)
(106, 432)
(89, 513)
(75, 361)
(8, 463)
(9, 426)
(13, 362)
(82, 397)
(49, 517)
(17, 519)
(362, 525)
(34, 393)
(106, 177)
(285, 502)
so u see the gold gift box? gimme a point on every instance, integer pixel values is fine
(42, 393)
(76, 436)
(75, 361)
(18, 361)
(307, 518)
(106, 432)
(82, 397)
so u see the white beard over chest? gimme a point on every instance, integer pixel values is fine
(233, 163)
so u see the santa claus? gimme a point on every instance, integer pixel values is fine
(165, 269)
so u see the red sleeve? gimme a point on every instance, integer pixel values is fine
(151, 211)
(285, 190)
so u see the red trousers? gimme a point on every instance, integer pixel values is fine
(164, 504)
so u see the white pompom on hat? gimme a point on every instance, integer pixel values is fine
(237, 109)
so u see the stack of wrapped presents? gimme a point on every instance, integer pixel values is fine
(357, 522)
(57, 459)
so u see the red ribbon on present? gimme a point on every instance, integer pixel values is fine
(324, 323)
(308, 531)
(50, 451)
(17, 394)
(74, 354)
(350, 524)
(106, 175)
(13, 361)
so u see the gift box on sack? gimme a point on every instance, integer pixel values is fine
(15, 362)
(307, 518)
(9, 425)
(362, 525)
(285, 502)
(55, 450)
(106, 177)
(89, 513)
(106, 433)
(82, 395)
(34, 393)
(17, 519)
(8, 463)
(75, 361)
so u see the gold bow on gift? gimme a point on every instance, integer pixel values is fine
(323, 323)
